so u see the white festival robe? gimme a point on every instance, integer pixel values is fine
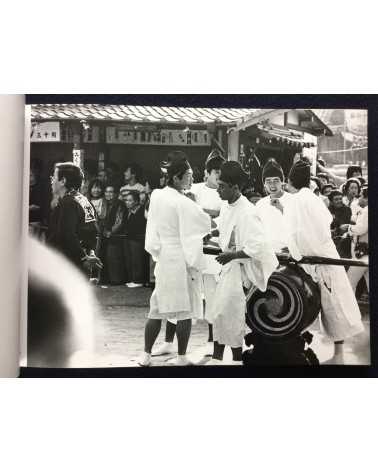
(174, 232)
(274, 221)
(209, 199)
(310, 222)
(240, 229)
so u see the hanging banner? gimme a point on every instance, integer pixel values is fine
(78, 157)
(46, 132)
(166, 137)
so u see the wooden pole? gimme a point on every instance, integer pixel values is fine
(233, 146)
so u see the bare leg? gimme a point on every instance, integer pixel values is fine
(339, 348)
(170, 331)
(218, 351)
(183, 330)
(151, 332)
(210, 339)
(237, 353)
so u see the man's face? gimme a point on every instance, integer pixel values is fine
(273, 185)
(337, 201)
(109, 193)
(213, 177)
(225, 190)
(186, 182)
(142, 197)
(127, 174)
(130, 202)
(56, 185)
(102, 175)
(163, 180)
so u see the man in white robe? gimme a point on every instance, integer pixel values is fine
(207, 197)
(247, 258)
(310, 222)
(272, 219)
(174, 237)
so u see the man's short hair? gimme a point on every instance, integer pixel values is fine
(333, 194)
(72, 173)
(134, 170)
(300, 174)
(214, 164)
(134, 193)
(233, 174)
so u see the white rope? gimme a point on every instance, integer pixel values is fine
(342, 150)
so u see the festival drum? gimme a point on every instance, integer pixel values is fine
(290, 304)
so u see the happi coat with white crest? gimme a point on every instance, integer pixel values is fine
(240, 229)
(174, 237)
(309, 222)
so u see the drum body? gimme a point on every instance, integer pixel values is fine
(290, 304)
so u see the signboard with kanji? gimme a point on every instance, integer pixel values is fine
(164, 137)
(45, 132)
(77, 157)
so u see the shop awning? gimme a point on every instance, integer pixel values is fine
(142, 114)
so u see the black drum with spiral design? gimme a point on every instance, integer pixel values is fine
(290, 304)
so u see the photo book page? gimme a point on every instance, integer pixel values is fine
(192, 236)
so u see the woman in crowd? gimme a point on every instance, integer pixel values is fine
(111, 250)
(351, 192)
(360, 243)
(341, 218)
(96, 197)
(135, 229)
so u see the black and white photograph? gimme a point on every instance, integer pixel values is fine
(184, 236)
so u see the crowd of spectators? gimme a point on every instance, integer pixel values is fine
(121, 205)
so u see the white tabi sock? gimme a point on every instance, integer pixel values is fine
(145, 360)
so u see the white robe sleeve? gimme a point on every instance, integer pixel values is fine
(152, 241)
(309, 223)
(290, 214)
(254, 242)
(362, 224)
(194, 224)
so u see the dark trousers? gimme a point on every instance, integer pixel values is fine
(134, 255)
(114, 262)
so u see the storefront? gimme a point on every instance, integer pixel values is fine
(98, 137)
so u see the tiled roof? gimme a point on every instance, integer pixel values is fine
(147, 114)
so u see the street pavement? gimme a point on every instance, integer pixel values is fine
(119, 331)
